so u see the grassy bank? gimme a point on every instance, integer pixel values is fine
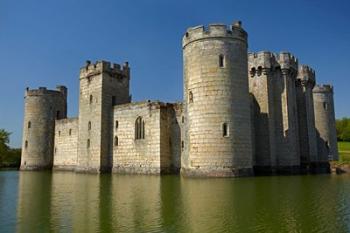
(344, 151)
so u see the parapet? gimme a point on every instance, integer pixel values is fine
(306, 74)
(41, 91)
(323, 88)
(287, 61)
(234, 31)
(263, 59)
(113, 69)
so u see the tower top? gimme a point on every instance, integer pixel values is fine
(41, 91)
(287, 61)
(115, 70)
(263, 59)
(323, 88)
(217, 30)
(306, 74)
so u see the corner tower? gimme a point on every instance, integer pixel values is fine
(325, 123)
(102, 85)
(41, 108)
(217, 139)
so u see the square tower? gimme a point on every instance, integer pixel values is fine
(102, 85)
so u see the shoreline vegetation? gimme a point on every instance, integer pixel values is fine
(10, 158)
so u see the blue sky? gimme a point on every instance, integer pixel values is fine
(45, 42)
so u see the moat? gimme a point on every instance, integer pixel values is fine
(70, 202)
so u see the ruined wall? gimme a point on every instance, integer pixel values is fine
(150, 154)
(41, 108)
(66, 144)
(217, 102)
(102, 85)
(325, 123)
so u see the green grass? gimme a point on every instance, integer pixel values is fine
(344, 151)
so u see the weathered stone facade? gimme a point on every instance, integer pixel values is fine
(216, 101)
(41, 107)
(241, 114)
(66, 144)
(156, 151)
(325, 123)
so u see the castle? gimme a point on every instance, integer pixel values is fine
(242, 114)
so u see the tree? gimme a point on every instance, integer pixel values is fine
(343, 129)
(4, 140)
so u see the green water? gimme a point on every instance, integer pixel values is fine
(69, 202)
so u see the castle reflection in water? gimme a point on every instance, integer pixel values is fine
(69, 202)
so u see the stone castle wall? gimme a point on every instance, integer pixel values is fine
(306, 116)
(66, 144)
(272, 82)
(230, 123)
(152, 153)
(261, 82)
(216, 102)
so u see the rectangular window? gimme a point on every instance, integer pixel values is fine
(325, 105)
(225, 132)
(221, 61)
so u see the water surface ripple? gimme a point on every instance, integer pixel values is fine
(69, 202)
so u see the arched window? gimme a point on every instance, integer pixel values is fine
(26, 144)
(89, 125)
(116, 141)
(190, 97)
(116, 124)
(88, 143)
(91, 99)
(70, 132)
(225, 130)
(59, 133)
(29, 124)
(221, 61)
(139, 128)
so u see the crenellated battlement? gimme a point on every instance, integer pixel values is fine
(60, 90)
(234, 31)
(99, 67)
(287, 61)
(323, 88)
(263, 59)
(306, 74)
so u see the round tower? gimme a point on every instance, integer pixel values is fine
(325, 123)
(217, 132)
(41, 108)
